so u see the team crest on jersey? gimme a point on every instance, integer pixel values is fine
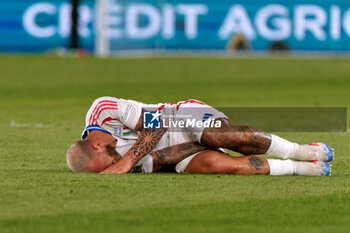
(121, 131)
(126, 112)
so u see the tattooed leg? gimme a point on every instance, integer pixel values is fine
(215, 162)
(243, 139)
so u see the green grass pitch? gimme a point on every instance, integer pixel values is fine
(43, 106)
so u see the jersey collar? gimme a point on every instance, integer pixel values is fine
(91, 128)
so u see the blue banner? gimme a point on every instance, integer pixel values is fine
(309, 25)
(37, 26)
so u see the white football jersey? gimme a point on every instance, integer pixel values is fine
(118, 117)
(115, 116)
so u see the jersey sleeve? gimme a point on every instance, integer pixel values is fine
(106, 109)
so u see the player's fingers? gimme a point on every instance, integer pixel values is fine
(120, 171)
(107, 171)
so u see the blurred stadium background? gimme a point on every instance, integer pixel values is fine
(217, 51)
(170, 26)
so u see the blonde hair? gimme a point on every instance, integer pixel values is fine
(79, 156)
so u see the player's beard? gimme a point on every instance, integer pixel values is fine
(111, 152)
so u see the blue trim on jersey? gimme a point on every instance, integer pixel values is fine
(91, 128)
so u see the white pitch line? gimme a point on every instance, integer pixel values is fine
(27, 125)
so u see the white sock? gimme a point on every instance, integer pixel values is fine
(281, 167)
(282, 148)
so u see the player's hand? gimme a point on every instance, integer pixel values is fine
(123, 165)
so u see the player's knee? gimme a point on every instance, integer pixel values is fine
(213, 164)
(208, 162)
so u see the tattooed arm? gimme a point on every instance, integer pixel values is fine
(165, 160)
(144, 144)
(174, 154)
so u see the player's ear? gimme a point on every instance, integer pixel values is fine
(97, 145)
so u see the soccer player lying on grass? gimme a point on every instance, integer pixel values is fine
(192, 158)
(114, 124)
